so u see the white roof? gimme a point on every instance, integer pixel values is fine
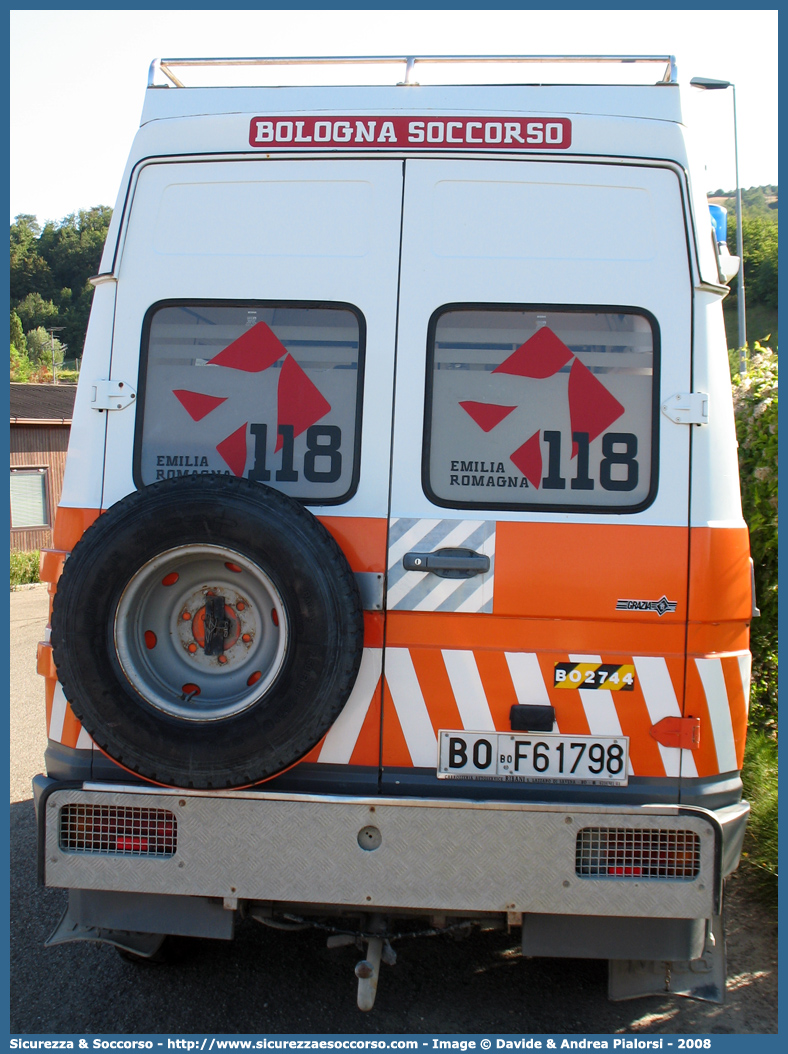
(655, 102)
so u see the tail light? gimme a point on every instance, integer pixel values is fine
(124, 830)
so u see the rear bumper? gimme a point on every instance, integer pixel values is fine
(376, 853)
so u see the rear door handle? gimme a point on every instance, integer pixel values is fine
(448, 563)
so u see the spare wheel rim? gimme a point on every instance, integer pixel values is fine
(201, 632)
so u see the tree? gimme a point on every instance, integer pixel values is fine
(34, 311)
(50, 269)
(29, 270)
(18, 334)
(40, 345)
(73, 247)
(20, 365)
(760, 260)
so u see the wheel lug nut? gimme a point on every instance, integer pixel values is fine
(222, 659)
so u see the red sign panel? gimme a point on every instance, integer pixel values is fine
(397, 133)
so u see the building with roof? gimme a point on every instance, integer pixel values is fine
(40, 426)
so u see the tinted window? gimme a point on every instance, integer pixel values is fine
(271, 392)
(540, 408)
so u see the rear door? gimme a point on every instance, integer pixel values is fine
(545, 316)
(256, 312)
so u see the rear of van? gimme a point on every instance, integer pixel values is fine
(400, 567)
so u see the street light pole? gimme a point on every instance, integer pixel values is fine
(739, 245)
(711, 85)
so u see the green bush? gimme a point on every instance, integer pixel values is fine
(759, 777)
(24, 567)
(20, 365)
(755, 406)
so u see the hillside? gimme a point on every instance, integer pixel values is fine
(756, 201)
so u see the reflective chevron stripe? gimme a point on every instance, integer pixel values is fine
(527, 678)
(63, 726)
(419, 591)
(338, 745)
(660, 697)
(59, 704)
(423, 694)
(713, 680)
(411, 707)
(468, 690)
(724, 682)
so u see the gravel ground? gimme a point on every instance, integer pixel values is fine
(268, 982)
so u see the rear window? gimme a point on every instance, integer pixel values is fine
(541, 407)
(267, 391)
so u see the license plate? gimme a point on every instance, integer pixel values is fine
(528, 757)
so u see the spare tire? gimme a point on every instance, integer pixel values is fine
(207, 631)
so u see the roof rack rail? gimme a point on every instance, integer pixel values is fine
(166, 66)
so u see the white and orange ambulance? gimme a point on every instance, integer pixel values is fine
(400, 569)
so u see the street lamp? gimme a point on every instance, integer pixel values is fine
(709, 84)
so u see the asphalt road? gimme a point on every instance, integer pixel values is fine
(268, 982)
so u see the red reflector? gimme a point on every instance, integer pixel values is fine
(132, 845)
(234, 568)
(681, 732)
(170, 579)
(150, 639)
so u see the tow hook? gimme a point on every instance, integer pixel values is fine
(376, 937)
(368, 969)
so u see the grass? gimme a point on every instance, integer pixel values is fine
(24, 567)
(759, 776)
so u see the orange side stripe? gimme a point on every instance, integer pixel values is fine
(45, 664)
(70, 525)
(590, 567)
(361, 539)
(50, 565)
(406, 629)
(720, 555)
(373, 629)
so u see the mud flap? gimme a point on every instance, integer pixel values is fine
(71, 929)
(702, 978)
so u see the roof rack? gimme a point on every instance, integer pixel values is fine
(166, 66)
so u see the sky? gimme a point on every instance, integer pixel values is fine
(78, 77)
